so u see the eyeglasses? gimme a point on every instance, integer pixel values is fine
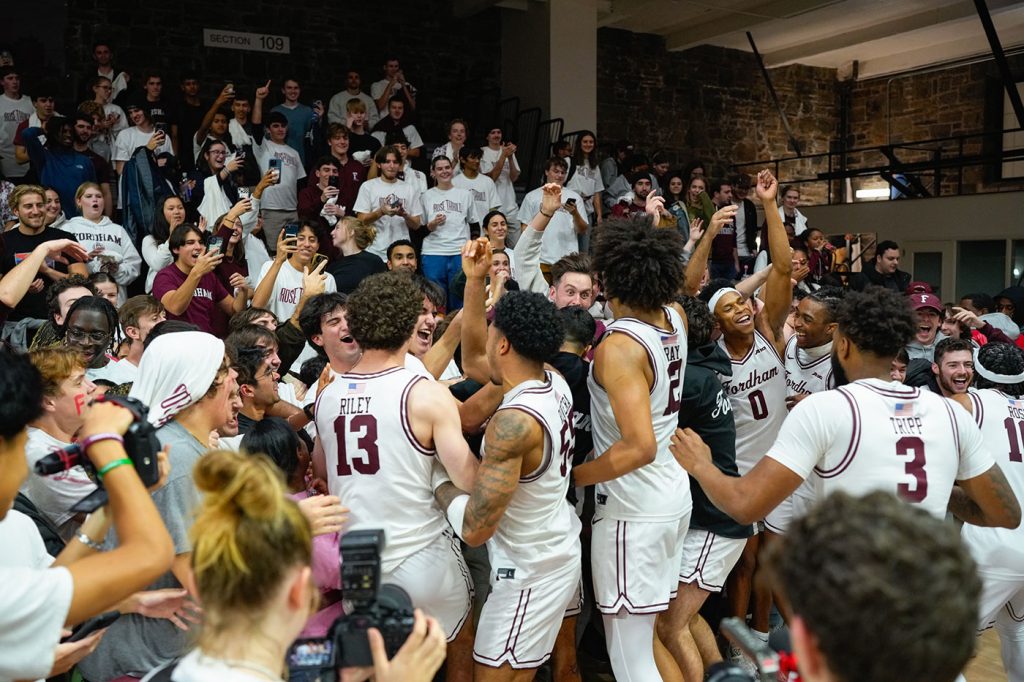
(79, 334)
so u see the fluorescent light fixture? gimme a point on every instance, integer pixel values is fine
(873, 193)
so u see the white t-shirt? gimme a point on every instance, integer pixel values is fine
(560, 235)
(54, 495)
(12, 113)
(283, 196)
(506, 192)
(337, 111)
(485, 194)
(34, 604)
(875, 435)
(415, 178)
(377, 192)
(377, 89)
(587, 181)
(459, 209)
(130, 139)
(116, 371)
(288, 289)
(195, 667)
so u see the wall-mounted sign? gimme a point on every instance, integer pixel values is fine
(237, 40)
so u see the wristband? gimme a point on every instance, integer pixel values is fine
(89, 441)
(308, 410)
(547, 215)
(89, 542)
(110, 466)
(457, 512)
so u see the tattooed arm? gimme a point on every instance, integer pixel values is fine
(511, 435)
(986, 500)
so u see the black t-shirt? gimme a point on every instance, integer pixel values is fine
(16, 248)
(349, 271)
(162, 114)
(574, 370)
(189, 119)
(362, 143)
(705, 408)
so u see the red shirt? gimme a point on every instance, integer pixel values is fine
(200, 310)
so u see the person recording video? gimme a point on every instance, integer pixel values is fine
(36, 604)
(251, 560)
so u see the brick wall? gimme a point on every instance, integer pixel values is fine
(712, 104)
(447, 59)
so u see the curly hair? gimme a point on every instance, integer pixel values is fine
(530, 323)
(829, 298)
(311, 317)
(877, 320)
(700, 321)
(1001, 358)
(383, 310)
(578, 325)
(641, 266)
(62, 285)
(865, 574)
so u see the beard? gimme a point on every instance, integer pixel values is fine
(839, 375)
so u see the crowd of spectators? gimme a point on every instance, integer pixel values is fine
(196, 252)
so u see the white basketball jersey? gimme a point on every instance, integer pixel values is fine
(539, 532)
(1001, 420)
(757, 393)
(878, 435)
(374, 462)
(659, 491)
(808, 370)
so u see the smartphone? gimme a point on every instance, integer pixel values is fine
(92, 625)
(214, 242)
(318, 103)
(332, 181)
(162, 128)
(570, 202)
(275, 165)
(317, 259)
(230, 87)
(244, 193)
(291, 230)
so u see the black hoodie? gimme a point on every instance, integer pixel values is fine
(705, 408)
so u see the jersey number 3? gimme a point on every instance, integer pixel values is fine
(365, 459)
(912, 445)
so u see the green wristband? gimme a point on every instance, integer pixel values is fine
(110, 466)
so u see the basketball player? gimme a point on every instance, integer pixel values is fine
(517, 505)
(873, 434)
(998, 409)
(381, 426)
(755, 342)
(808, 361)
(643, 506)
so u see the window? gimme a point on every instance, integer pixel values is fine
(1012, 141)
(980, 266)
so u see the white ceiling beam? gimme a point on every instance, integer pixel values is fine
(912, 22)
(729, 20)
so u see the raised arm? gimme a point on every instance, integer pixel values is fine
(225, 96)
(619, 365)
(527, 249)
(699, 260)
(265, 288)
(441, 353)
(476, 262)
(257, 106)
(433, 405)
(778, 290)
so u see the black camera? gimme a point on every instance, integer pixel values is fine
(368, 605)
(766, 661)
(140, 442)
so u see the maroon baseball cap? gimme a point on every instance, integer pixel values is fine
(921, 301)
(919, 288)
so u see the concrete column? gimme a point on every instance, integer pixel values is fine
(549, 59)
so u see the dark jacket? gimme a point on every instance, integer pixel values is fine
(897, 281)
(705, 408)
(1015, 294)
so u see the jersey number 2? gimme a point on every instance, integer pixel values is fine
(914, 467)
(675, 390)
(366, 460)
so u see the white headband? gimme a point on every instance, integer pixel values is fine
(992, 376)
(717, 296)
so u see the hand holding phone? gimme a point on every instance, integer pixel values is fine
(276, 165)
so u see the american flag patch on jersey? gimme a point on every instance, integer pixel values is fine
(356, 387)
(903, 409)
(1018, 404)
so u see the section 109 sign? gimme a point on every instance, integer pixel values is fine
(237, 40)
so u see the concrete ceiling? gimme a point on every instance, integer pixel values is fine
(882, 36)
